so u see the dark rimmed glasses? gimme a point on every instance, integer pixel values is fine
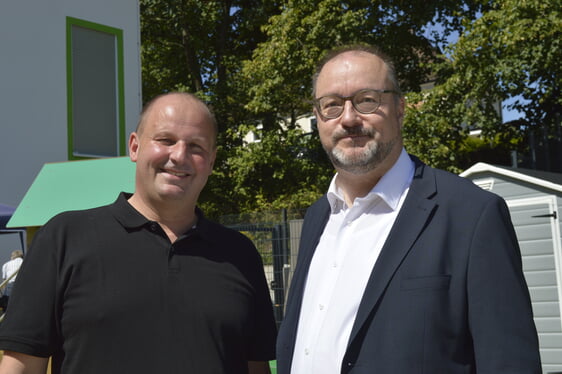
(364, 101)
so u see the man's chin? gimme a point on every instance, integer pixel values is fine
(172, 193)
(352, 156)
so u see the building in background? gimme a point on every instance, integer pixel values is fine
(70, 87)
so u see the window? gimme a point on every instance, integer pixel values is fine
(95, 92)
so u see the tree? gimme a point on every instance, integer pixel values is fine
(198, 46)
(279, 72)
(280, 69)
(512, 51)
(253, 60)
(285, 169)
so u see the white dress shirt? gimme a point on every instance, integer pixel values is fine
(341, 266)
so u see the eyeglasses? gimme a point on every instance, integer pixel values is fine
(364, 101)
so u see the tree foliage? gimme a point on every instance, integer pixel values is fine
(253, 61)
(281, 67)
(512, 52)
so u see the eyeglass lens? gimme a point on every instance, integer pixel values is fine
(364, 101)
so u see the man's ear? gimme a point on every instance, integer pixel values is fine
(133, 146)
(316, 115)
(213, 158)
(400, 108)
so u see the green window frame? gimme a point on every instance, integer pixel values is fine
(95, 90)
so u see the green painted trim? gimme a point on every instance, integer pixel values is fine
(118, 33)
(69, 113)
(121, 93)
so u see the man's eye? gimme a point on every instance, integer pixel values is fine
(165, 141)
(196, 148)
(332, 103)
(366, 99)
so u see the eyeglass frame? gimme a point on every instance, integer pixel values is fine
(350, 98)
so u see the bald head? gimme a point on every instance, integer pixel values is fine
(179, 99)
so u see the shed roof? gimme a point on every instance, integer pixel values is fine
(540, 178)
(73, 185)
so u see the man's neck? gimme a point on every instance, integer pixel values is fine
(353, 186)
(175, 217)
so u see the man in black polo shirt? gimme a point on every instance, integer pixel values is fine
(147, 284)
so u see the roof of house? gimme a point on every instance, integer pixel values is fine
(73, 185)
(541, 178)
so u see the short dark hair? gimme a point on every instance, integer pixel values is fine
(148, 106)
(374, 50)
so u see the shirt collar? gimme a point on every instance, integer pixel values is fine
(389, 188)
(132, 219)
(124, 212)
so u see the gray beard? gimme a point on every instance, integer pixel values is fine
(365, 161)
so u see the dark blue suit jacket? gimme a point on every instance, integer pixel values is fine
(446, 295)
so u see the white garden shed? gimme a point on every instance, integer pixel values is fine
(534, 199)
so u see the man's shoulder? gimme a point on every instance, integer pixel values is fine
(74, 218)
(218, 232)
(453, 186)
(320, 206)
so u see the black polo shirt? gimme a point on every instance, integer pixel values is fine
(105, 291)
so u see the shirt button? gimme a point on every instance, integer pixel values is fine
(321, 307)
(306, 351)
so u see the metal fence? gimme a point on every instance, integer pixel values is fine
(276, 235)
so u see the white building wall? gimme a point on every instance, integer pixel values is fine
(33, 101)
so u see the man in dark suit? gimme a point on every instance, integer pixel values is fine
(402, 268)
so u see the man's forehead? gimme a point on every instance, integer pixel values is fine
(352, 71)
(351, 59)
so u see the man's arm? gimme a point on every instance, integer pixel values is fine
(254, 367)
(500, 312)
(20, 363)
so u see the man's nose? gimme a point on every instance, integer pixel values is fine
(349, 116)
(179, 152)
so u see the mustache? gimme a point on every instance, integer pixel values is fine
(353, 131)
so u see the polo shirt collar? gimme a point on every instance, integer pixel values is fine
(124, 212)
(130, 218)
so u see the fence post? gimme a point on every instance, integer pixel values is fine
(278, 244)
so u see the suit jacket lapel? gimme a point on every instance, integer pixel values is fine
(408, 226)
(314, 226)
(315, 221)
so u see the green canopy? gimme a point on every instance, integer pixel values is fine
(73, 185)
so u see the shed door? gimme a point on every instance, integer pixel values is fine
(536, 222)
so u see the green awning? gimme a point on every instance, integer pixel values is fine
(73, 185)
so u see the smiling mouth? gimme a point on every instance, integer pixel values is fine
(176, 173)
